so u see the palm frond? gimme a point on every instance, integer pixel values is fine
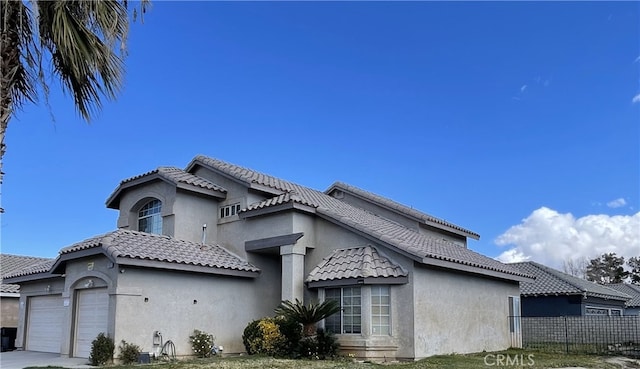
(80, 36)
(307, 314)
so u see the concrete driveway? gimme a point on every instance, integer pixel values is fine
(22, 359)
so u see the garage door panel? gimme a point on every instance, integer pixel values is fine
(44, 323)
(91, 319)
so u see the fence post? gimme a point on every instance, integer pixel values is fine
(566, 334)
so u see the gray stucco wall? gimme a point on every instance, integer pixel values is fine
(176, 303)
(134, 198)
(460, 313)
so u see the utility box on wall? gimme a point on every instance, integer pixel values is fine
(144, 358)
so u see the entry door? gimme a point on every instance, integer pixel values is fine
(44, 323)
(92, 317)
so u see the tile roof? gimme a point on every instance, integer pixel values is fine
(549, 281)
(632, 290)
(125, 244)
(403, 209)
(15, 265)
(284, 198)
(173, 175)
(358, 262)
(407, 240)
(177, 175)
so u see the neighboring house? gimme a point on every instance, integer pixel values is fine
(554, 293)
(10, 294)
(215, 246)
(631, 307)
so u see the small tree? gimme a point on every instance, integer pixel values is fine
(607, 268)
(307, 315)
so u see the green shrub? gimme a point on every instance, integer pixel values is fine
(292, 332)
(102, 349)
(251, 334)
(128, 352)
(201, 343)
(327, 344)
(319, 347)
(263, 336)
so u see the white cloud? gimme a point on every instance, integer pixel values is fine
(550, 238)
(524, 87)
(617, 203)
(635, 99)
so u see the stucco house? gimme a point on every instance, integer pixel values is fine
(10, 294)
(216, 245)
(554, 293)
(632, 306)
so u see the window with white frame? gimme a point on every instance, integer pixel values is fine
(229, 210)
(150, 217)
(380, 311)
(349, 319)
(599, 311)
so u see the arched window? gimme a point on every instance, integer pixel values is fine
(150, 218)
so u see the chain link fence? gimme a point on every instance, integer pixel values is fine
(602, 335)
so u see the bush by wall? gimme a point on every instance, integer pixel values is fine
(263, 336)
(128, 352)
(283, 337)
(102, 349)
(201, 343)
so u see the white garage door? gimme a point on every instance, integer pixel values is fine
(92, 316)
(44, 323)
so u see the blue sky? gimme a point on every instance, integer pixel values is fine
(517, 120)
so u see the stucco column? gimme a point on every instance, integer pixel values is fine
(292, 272)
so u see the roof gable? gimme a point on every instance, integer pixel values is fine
(363, 265)
(549, 281)
(171, 175)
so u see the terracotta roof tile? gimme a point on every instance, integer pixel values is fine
(549, 281)
(147, 246)
(16, 264)
(177, 175)
(40, 266)
(406, 210)
(390, 232)
(359, 262)
(632, 290)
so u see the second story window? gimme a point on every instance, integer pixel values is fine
(229, 210)
(150, 217)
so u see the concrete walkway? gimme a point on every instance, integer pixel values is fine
(23, 359)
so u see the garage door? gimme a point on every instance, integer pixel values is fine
(44, 323)
(92, 316)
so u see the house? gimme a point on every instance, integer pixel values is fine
(632, 306)
(215, 246)
(554, 293)
(10, 294)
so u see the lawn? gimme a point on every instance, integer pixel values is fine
(504, 359)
